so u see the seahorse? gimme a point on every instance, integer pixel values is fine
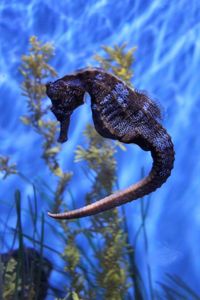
(119, 113)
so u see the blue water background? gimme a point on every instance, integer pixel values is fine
(167, 36)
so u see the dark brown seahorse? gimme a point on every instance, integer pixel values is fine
(119, 113)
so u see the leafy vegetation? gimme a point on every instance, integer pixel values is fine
(111, 253)
(118, 61)
(35, 69)
(7, 168)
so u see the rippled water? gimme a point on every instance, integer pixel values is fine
(167, 34)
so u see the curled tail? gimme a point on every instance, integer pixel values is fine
(162, 152)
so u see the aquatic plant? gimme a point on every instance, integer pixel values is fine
(35, 69)
(111, 252)
(7, 168)
(175, 288)
(118, 60)
(109, 270)
(9, 279)
(25, 271)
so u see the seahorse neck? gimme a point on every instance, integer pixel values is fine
(89, 79)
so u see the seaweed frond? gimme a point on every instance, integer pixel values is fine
(176, 288)
(35, 70)
(118, 60)
(9, 279)
(111, 253)
(7, 168)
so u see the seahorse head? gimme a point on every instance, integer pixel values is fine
(65, 97)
